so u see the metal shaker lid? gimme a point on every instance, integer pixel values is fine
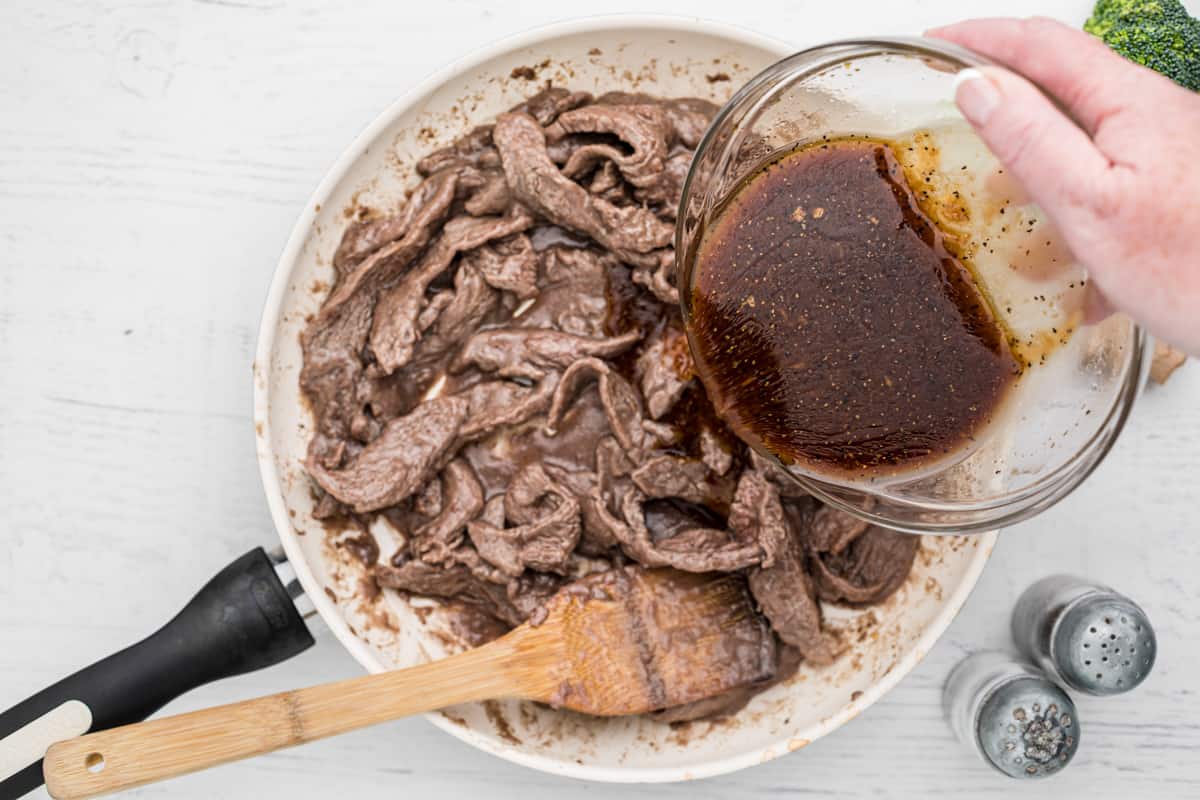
(1103, 644)
(1027, 728)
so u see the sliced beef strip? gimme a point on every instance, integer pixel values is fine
(491, 198)
(531, 493)
(548, 104)
(656, 276)
(833, 530)
(471, 304)
(715, 453)
(365, 237)
(328, 507)
(498, 457)
(408, 451)
(604, 530)
(690, 541)
(667, 517)
(783, 589)
(689, 117)
(756, 515)
(386, 397)
(511, 600)
(435, 304)
(493, 513)
(666, 190)
(607, 183)
(869, 570)
(701, 551)
(473, 149)
(461, 502)
(672, 476)
(597, 496)
(428, 499)
(664, 370)
(363, 428)
(495, 404)
(573, 295)
(395, 330)
(544, 542)
(537, 182)
(643, 129)
(622, 406)
(560, 150)
(617, 191)
(472, 180)
(334, 340)
(533, 352)
(421, 578)
(686, 478)
(612, 461)
(509, 264)
(455, 582)
(596, 537)
(468, 556)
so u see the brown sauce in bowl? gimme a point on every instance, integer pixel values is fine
(832, 325)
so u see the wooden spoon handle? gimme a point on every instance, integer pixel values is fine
(133, 755)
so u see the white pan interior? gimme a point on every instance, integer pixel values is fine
(665, 56)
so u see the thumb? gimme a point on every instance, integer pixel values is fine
(1096, 306)
(1056, 162)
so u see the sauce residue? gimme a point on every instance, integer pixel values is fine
(832, 323)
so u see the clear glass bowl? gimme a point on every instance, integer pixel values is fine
(1065, 411)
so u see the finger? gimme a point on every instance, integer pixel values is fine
(1091, 81)
(1048, 154)
(1096, 307)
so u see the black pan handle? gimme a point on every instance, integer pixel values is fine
(242, 620)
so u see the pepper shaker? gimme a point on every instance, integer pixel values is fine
(1011, 715)
(1091, 638)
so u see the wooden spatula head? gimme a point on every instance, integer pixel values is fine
(634, 640)
(623, 642)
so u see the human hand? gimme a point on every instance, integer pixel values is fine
(1119, 177)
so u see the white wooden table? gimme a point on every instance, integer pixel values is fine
(153, 156)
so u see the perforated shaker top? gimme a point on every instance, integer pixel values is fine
(1104, 644)
(1027, 728)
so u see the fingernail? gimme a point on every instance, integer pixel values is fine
(976, 95)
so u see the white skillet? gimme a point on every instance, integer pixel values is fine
(247, 617)
(668, 56)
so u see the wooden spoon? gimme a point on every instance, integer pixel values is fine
(626, 641)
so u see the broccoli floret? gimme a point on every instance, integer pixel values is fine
(1158, 34)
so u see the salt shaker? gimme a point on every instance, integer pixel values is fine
(1091, 638)
(1011, 715)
